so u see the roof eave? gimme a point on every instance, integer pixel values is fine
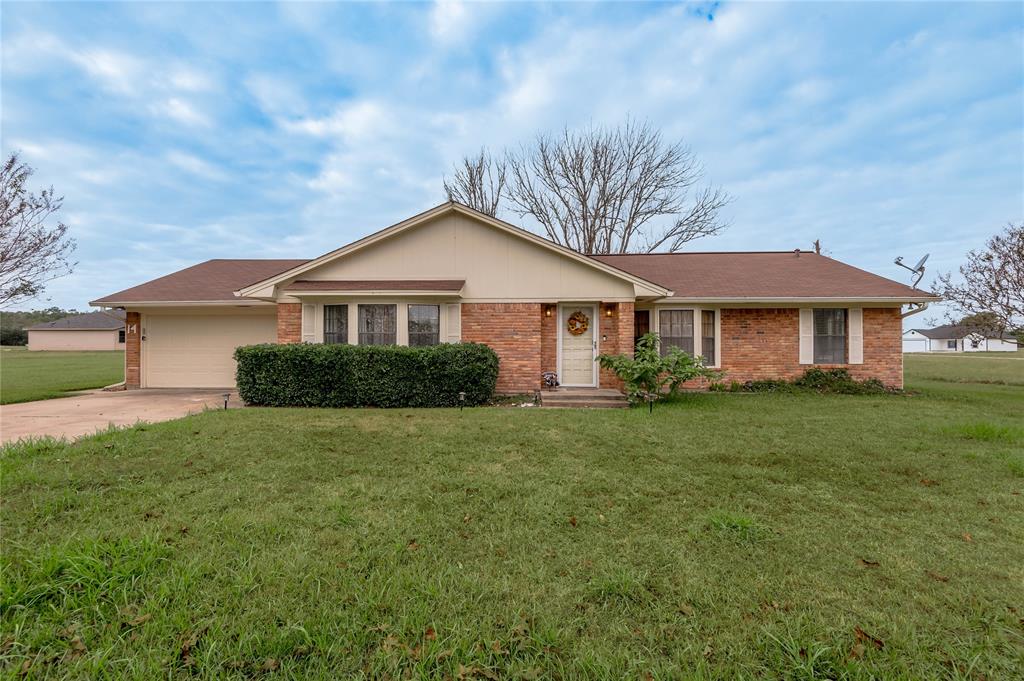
(179, 303)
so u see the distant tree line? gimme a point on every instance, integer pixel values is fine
(14, 323)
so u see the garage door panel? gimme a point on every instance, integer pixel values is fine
(196, 351)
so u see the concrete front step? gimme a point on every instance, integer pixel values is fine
(593, 398)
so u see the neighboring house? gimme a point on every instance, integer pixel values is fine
(102, 330)
(957, 338)
(452, 274)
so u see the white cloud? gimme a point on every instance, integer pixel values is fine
(449, 20)
(356, 122)
(197, 166)
(181, 111)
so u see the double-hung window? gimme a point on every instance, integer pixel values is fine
(336, 324)
(829, 336)
(378, 324)
(707, 336)
(424, 325)
(675, 330)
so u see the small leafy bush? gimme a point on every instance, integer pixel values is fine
(315, 375)
(834, 381)
(649, 375)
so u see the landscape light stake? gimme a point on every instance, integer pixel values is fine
(226, 396)
(462, 400)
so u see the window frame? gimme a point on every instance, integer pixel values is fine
(121, 336)
(410, 334)
(656, 310)
(844, 336)
(393, 332)
(664, 347)
(323, 317)
(704, 337)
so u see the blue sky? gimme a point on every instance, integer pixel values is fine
(182, 132)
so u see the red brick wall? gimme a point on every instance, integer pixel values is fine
(549, 338)
(616, 338)
(759, 344)
(132, 350)
(513, 330)
(289, 322)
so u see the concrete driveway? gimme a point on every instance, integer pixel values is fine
(84, 414)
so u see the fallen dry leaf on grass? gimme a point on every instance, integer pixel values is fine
(188, 646)
(863, 562)
(76, 649)
(857, 651)
(430, 634)
(141, 619)
(270, 665)
(928, 482)
(937, 577)
(572, 520)
(967, 536)
(864, 637)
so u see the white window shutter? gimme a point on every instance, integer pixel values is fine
(806, 335)
(453, 334)
(856, 321)
(308, 323)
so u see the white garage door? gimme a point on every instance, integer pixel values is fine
(196, 351)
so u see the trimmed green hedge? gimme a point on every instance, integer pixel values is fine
(314, 375)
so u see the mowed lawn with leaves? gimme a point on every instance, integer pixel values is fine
(27, 376)
(724, 536)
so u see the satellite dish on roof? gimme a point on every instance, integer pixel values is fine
(917, 270)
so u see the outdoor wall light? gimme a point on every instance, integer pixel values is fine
(547, 310)
(608, 311)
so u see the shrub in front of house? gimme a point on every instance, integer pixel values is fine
(315, 375)
(648, 375)
(835, 381)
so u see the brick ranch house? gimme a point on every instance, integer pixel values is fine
(452, 274)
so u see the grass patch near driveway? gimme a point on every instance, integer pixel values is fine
(26, 376)
(1001, 368)
(724, 536)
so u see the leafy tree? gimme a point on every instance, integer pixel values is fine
(13, 323)
(649, 376)
(599, 190)
(991, 291)
(31, 251)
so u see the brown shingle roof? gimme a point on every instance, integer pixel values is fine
(377, 285)
(760, 276)
(90, 321)
(950, 331)
(210, 281)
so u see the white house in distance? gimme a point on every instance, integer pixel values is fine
(956, 338)
(91, 331)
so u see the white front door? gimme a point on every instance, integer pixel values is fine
(578, 330)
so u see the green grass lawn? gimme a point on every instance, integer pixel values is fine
(1005, 368)
(27, 376)
(726, 536)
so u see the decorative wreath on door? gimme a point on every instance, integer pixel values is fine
(578, 323)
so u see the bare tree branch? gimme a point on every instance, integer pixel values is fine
(599, 190)
(478, 183)
(31, 253)
(992, 291)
